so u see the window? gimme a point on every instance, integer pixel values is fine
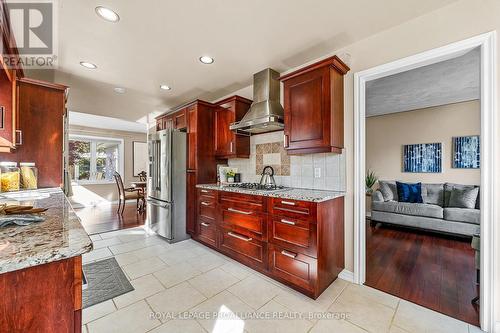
(94, 160)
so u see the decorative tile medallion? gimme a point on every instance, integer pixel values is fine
(269, 152)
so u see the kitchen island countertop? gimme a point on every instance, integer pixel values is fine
(300, 194)
(60, 236)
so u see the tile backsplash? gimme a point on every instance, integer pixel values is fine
(316, 171)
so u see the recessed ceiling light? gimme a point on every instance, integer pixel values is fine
(119, 90)
(165, 87)
(207, 60)
(107, 14)
(88, 65)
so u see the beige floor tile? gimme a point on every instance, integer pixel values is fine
(144, 267)
(150, 251)
(177, 326)
(356, 291)
(174, 255)
(134, 319)
(144, 286)
(475, 329)
(255, 291)
(97, 311)
(415, 319)
(95, 255)
(396, 329)
(95, 237)
(238, 270)
(335, 325)
(170, 276)
(206, 262)
(363, 311)
(128, 247)
(126, 258)
(176, 299)
(230, 312)
(282, 321)
(213, 282)
(99, 244)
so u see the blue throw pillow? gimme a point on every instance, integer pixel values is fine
(409, 192)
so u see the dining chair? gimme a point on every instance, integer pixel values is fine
(129, 193)
(142, 176)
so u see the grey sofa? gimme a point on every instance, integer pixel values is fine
(434, 214)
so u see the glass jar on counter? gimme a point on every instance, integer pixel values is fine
(10, 176)
(29, 176)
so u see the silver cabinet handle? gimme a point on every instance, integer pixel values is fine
(204, 191)
(205, 203)
(285, 140)
(205, 224)
(20, 136)
(287, 222)
(243, 238)
(238, 211)
(288, 254)
(231, 146)
(289, 203)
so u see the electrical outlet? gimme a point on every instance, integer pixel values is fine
(317, 172)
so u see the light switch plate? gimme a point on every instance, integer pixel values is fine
(317, 172)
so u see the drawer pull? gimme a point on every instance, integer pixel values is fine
(205, 224)
(287, 222)
(239, 211)
(243, 238)
(205, 203)
(288, 254)
(289, 203)
(204, 191)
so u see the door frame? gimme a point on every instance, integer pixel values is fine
(489, 158)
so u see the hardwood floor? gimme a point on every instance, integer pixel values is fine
(105, 218)
(431, 270)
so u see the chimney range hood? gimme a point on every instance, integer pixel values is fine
(266, 113)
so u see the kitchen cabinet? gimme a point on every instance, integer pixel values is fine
(314, 108)
(299, 243)
(229, 144)
(177, 120)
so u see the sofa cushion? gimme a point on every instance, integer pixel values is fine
(388, 189)
(463, 215)
(448, 187)
(463, 198)
(407, 208)
(433, 194)
(409, 192)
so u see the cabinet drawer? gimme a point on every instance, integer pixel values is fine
(243, 247)
(207, 208)
(207, 231)
(207, 193)
(293, 267)
(293, 208)
(296, 235)
(239, 218)
(246, 202)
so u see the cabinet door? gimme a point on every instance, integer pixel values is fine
(179, 119)
(191, 203)
(7, 112)
(169, 123)
(307, 111)
(192, 130)
(224, 137)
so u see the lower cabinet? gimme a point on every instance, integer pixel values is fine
(298, 243)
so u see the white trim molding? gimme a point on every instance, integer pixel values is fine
(490, 267)
(347, 275)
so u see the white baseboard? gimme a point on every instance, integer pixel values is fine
(496, 329)
(347, 275)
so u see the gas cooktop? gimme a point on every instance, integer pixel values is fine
(257, 186)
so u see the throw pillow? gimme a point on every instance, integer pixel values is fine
(433, 194)
(463, 197)
(409, 192)
(388, 190)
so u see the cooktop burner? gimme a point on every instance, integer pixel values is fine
(257, 186)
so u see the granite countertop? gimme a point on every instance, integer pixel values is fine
(60, 236)
(300, 194)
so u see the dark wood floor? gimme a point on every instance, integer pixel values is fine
(431, 270)
(104, 218)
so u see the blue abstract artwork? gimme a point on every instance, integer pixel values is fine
(422, 157)
(466, 152)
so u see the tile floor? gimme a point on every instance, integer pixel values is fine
(187, 287)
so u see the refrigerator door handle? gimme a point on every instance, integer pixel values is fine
(155, 203)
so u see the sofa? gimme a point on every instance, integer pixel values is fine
(438, 211)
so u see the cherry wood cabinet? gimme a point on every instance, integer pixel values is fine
(298, 243)
(314, 108)
(228, 144)
(44, 298)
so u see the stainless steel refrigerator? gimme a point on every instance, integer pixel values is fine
(166, 202)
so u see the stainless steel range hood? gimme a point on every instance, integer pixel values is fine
(266, 113)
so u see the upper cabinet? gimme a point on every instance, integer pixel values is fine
(228, 144)
(314, 108)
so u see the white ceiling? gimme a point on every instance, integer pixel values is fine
(159, 41)
(89, 120)
(446, 82)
